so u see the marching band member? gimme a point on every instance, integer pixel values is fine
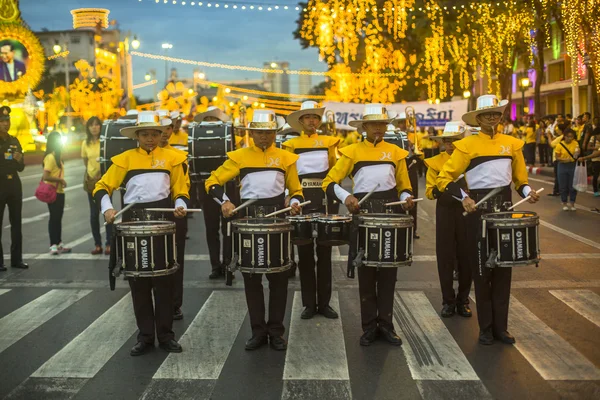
(489, 160)
(450, 230)
(369, 163)
(182, 225)
(265, 173)
(153, 177)
(317, 155)
(179, 138)
(213, 220)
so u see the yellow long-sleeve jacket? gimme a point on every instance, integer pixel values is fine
(487, 163)
(148, 177)
(316, 154)
(179, 140)
(369, 165)
(264, 175)
(434, 166)
(187, 170)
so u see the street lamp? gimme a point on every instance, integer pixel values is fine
(166, 46)
(524, 84)
(467, 94)
(135, 43)
(147, 77)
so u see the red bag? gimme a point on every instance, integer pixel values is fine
(45, 192)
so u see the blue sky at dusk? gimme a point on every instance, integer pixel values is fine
(228, 36)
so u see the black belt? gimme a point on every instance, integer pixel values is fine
(500, 202)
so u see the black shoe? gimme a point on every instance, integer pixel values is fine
(256, 342)
(278, 343)
(415, 236)
(141, 348)
(369, 337)
(448, 310)
(177, 315)
(20, 265)
(486, 338)
(390, 336)
(308, 313)
(328, 312)
(3, 268)
(505, 337)
(171, 346)
(216, 274)
(464, 310)
(553, 194)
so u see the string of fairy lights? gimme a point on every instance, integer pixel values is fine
(229, 5)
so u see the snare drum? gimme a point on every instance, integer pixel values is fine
(303, 228)
(512, 238)
(333, 230)
(208, 147)
(146, 249)
(262, 245)
(387, 239)
(112, 143)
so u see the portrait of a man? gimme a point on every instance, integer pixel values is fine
(11, 69)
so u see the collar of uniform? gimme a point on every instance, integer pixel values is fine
(144, 152)
(369, 144)
(310, 136)
(258, 149)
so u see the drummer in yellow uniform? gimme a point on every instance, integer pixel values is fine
(488, 160)
(370, 163)
(179, 138)
(152, 177)
(265, 171)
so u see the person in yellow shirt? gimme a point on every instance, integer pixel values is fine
(317, 155)
(450, 231)
(530, 143)
(54, 172)
(566, 153)
(152, 177)
(90, 153)
(488, 161)
(265, 171)
(380, 166)
(179, 138)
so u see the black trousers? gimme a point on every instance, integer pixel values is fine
(376, 289)
(451, 246)
(556, 189)
(11, 195)
(180, 234)
(414, 182)
(492, 285)
(153, 317)
(56, 210)
(95, 223)
(278, 284)
(214, 221)
(315, 285)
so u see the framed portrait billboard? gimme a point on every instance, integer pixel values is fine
(21, 59)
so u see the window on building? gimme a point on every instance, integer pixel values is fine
(75, 39)
(560, 107)
(556, 72)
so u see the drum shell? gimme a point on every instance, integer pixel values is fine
(303, 229)
(208, 148)
(146, 249)
(112, 143)
(263, 245)
(387, 239)
(516, 240)
(333, 231)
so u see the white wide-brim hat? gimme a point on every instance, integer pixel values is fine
(485, 104)
(307, 108)
(146, 120)
(265, 120)
(452, 130)
(288, 130)
(212, 111)
(373, 113)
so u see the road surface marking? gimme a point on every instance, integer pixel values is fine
(551, 183)
(584, 302)
(2, 291)
(23, 321)
(315, 362)
(570, 234)
(37, 218)
(208, 340)
(85, 355)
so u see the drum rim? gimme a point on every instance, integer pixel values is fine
(387, 264)
(503, 215)
(150, 274)
(301, 218)
(145, 228)
(508, 264)
(326, 218)
(266, 270)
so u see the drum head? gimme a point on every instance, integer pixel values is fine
(261, 225)
(386, 220)
(327, 219)
(511, 219)
(145, 228)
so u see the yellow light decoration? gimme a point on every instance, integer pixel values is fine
(144, 84)
(59, 55)
(90, 18)
(34, 63)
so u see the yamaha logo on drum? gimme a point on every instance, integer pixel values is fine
(144, 253)
(519, 244)
(260, 251)
(387, 245)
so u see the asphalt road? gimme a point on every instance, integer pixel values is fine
(64, 334)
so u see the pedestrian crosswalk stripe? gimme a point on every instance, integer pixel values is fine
(551, 356)
(2, 291)
(208, 340)
(85, 355)
(584, 302)
(316, 363)
(21, 322)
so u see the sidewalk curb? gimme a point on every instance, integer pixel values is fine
(544, 171)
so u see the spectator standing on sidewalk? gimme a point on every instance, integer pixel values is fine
(594, 146)
(542, 145)
(554, 138)
(566, 153)
(90, 153)
(54, 169)
(530, 143)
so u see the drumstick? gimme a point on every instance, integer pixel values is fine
(285, 209)
(525, 199)
(127, 207)
(368, 195)
(244, 204)
(395, 203)
(412, 163)
(173, 209)
(485, 198)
